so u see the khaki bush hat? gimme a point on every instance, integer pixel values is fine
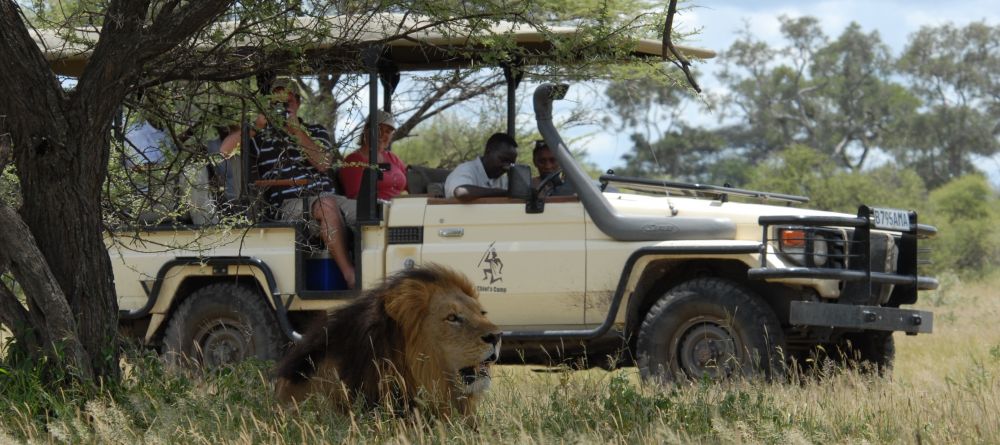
(287, 85)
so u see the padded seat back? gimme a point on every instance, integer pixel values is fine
(426, 180)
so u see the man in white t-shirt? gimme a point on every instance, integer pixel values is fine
(486, 175)
(146, 148)
(146, 145)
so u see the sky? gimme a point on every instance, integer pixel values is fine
(719, 21)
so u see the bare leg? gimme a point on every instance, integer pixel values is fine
(326, 212)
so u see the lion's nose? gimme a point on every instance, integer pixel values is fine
(492, 338)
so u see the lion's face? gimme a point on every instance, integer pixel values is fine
(468, 343)
(450, 345)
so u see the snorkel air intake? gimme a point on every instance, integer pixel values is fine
(615, 225)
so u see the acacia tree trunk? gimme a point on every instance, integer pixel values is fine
(61, 142)
(62, 196)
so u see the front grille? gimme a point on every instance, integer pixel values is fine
(874, 265)
(882, 257)
(836, 245)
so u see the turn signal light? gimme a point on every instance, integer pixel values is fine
(792, 238)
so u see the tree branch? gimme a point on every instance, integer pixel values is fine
(14, 315)
(172, 26)
(26, 82)
(6, 151)
(20, 253)
(668, 45)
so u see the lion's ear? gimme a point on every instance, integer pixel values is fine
(408, 304)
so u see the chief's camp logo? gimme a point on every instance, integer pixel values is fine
(492, 268)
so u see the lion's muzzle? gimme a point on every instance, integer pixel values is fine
(476, 379)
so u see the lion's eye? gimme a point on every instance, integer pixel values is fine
(454, 318)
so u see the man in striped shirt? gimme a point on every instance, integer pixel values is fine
(299, 153)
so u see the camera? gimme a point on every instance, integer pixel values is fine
(281, 109)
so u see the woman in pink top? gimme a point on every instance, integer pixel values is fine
(393, 180)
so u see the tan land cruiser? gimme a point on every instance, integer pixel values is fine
(678, 279)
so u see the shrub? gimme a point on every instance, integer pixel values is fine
(803, 171)
(965, 213)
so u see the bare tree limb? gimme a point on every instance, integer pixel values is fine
(172, 26)
(14, 315)
(20, 253)
(668, 45)
(6, 151)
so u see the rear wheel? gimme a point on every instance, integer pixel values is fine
(222, 324)
(709, 328)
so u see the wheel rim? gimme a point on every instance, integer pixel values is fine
(706, 346)
(223, 342)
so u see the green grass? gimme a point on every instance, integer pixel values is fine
(945, 389)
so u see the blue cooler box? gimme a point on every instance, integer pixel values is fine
(322, 273)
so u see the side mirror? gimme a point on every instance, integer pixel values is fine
(519, 182)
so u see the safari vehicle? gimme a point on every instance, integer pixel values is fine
(690, 281)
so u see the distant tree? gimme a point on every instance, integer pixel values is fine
(861, 109)
(837, 97)
(682, 153)
(450, 139)
(801, 170)
(843, 97)
(954, 72)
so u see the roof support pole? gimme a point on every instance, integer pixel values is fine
(388, 73)
(513, 74)
(369, 211)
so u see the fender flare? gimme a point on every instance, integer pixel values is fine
(281, 311)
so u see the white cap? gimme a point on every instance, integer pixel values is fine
(385, 118)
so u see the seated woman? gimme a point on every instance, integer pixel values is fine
(393, 180)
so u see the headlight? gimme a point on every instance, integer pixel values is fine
(804, 247)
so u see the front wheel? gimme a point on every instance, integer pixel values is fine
(222, 324)
(709, 328)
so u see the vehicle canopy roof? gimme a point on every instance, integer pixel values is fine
(412, 43)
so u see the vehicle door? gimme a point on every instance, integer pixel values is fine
(529, 269)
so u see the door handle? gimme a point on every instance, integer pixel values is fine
(451, 233)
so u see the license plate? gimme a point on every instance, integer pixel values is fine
(892, 219)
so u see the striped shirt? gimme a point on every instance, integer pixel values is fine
(280, 157)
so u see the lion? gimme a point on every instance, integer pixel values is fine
(421, 340)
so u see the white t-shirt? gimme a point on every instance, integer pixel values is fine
(145, 144)
(472, 173)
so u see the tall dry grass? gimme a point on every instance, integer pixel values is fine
(945, 389)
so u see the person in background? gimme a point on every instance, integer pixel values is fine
(147, 143)
(223, 169)
(547, 165)
(289, 149)
(147, 146)
(393, 171)
(484, 176)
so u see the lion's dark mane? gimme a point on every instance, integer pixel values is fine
(361, 337)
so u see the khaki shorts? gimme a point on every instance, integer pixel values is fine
(291, 209)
